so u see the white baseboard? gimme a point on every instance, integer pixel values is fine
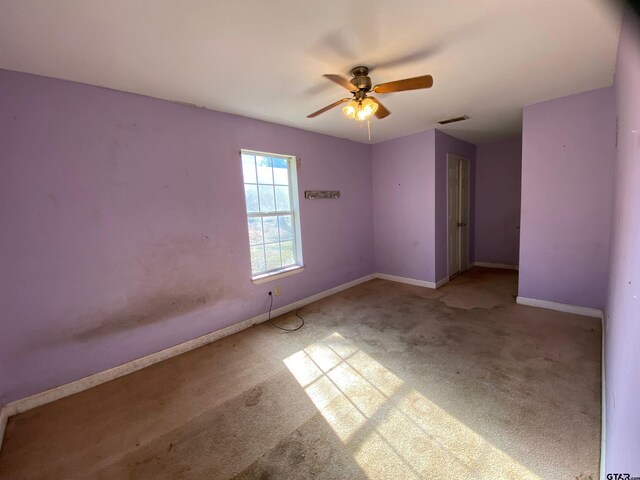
(560, 307)
(24, 404)
(412, 281)
(4, 416)
(496, 265)
(603, 422)
(408, 281)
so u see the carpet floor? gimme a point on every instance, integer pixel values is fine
(385, 381)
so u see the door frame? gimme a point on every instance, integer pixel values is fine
(465, 164)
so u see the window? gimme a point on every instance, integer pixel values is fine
(271, 195)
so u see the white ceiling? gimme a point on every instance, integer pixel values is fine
(265, 59)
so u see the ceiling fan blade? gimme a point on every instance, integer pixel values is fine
(382, 110)
(415, 56)
(328, 107)
(415, 83)
(343, 82)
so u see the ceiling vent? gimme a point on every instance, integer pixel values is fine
(453, 120)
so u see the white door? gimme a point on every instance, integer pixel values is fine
(457, 213)
(453, 208)
(463, 219)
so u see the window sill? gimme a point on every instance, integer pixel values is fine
(285, 272)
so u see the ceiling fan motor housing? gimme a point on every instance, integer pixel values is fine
(361, 78)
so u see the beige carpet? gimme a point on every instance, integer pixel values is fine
(385, 381)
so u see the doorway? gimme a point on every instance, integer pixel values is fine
(457, 214)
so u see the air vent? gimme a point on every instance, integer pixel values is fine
(453, 120)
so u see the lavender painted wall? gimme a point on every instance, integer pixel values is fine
(447, 144)
(410, 204)
(497, 219)
(123, 227)
(403, 206)
(567, 175)
(623, 304)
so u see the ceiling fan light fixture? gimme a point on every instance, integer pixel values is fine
(369, 108)
(350, 109)
(360, 110)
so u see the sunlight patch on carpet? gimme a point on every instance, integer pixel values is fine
(392, 430)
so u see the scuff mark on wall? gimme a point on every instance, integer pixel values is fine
(54, 200)
(146, 311)
(175, 280)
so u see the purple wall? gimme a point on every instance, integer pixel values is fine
(403, 206)
(623, 306)
(447, 144)
(123, 228)
(498, 173)
(567, 177)
(410, 204)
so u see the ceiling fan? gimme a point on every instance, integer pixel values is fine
(362, 106)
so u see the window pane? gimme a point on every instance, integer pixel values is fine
(265, 172)
(280, 171)
(272, 254)
(267, 203)
(249, 168)
(255, 231)
(286, 227)
(271, 211)
(282, 199)
(251, 196)
(288, 256)
(257, 259)
(271, 229)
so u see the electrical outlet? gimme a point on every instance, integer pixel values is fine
(277, 291)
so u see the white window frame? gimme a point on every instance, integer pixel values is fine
(295, 215)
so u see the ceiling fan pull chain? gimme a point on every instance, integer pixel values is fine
(369, 128)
